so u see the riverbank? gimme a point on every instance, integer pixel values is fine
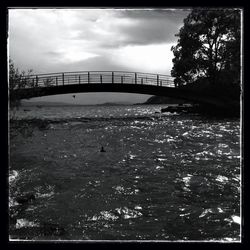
(221, 101)
(205, 110)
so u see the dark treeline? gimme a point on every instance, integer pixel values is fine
(207, 57)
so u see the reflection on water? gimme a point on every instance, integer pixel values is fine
(161, 178)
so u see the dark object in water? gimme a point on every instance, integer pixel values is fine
(170, 109)
(43, 125)
(102, 149)
(26, 198)
(53, 229)
(179, 108)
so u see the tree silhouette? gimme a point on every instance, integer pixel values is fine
(18, 80)
(208, 48)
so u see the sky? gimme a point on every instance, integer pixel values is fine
(58, 40)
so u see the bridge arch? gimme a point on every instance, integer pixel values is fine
(106, 81)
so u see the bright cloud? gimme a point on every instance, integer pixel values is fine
(146, 58)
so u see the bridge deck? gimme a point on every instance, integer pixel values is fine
(95, 77)
(108, 81)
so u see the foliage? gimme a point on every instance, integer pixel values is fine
(18, 80)
(48, 82)
(208, 48)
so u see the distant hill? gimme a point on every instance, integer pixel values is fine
(56, 104)
(164, 100)
(43, 103)
(114, 103)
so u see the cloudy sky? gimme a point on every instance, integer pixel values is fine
(57, 40)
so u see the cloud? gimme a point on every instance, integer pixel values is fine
(153, 25)
(153, 58)
(58, 39)
(123, 27)
(104, 62)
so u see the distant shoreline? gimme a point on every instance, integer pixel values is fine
(62, 104)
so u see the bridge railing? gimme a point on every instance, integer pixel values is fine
(95, 77)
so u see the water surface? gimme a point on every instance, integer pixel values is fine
(163, 177)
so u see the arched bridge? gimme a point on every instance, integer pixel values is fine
(105, 81)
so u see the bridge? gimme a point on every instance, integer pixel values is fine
(106, 81)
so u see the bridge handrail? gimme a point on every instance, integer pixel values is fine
(101, 71)
(94, 77)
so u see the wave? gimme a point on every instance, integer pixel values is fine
(82, 119)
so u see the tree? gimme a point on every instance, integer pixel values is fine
(17, 80)
(208, 48)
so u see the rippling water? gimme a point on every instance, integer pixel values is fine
(163, 177)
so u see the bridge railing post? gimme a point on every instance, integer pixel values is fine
(88, 77)
(112, 77)
(135, 78)
(36, 81)
(121, 79)
(157, 80)
(101, 78)
(141, 80)
(56, 81)
(63, 78)
(79, 79)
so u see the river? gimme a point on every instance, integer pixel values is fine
(162, 177)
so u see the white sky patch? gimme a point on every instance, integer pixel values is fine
(153, 58)
(75, 56)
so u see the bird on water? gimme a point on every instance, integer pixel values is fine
(102, 149)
